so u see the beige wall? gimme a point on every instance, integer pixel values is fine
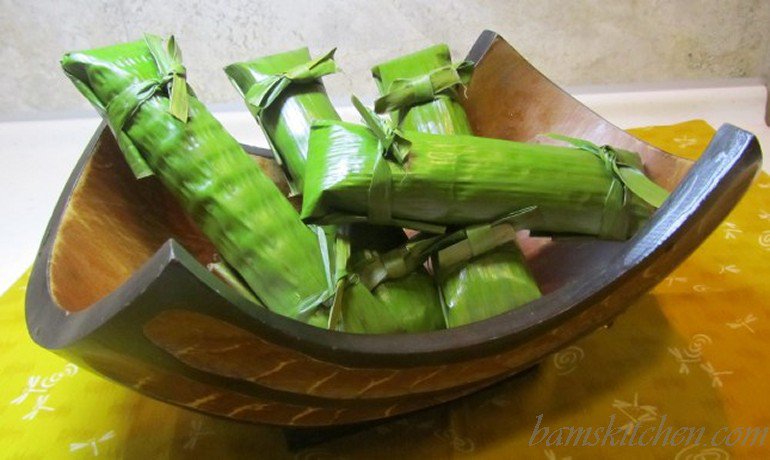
(574, 42)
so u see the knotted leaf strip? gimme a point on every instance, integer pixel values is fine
(263, 93)
(406, 92)
(628, 177)
(392, 147)
(172, 79)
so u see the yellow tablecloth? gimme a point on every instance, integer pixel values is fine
(693, 353)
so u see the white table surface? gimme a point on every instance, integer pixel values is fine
(36, 157)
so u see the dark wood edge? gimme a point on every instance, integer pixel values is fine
(257, 151)
(481, 46)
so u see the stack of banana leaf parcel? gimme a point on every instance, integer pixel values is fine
(344, 262)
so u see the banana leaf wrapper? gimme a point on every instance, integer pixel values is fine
(285, 95)
(483, 275)
(420, 90)
(409, 304)
(459, 259)
(425, 181)
(163, 130)
(402, 302)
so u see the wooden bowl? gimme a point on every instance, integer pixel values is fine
(120, 284)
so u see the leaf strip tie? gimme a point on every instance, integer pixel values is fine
(392, 146)
(406, 92)
(395, 263)
(461, 246)
(173, 74)
(481, 239)
(628, 177)
(263, 93)
(172, 77)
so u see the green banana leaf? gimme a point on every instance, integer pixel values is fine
(460, 259)
(393, 307)
(406, 302)
(386, 310)
(486, 286)
(483, 275)
(382, 176)
(421, 91)
(285, 95)
(163, 129)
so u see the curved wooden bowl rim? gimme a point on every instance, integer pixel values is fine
(729, 163)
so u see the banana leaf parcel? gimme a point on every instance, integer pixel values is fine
(381, 175)
(483, 275)
(421, 90)
(380, 293)
(459, 260)
(285, 95)
(164, 130)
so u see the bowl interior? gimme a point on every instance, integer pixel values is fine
(113, 224)
(125, 220)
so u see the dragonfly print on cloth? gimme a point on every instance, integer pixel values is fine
(744, 323)
(685, 141)
(458, 442)
(38, 384)
(196, 432)
(38, 387)
(699, 452)
(731, 231)
(92, 443)
(635, 413)
(716, 381)
(693, 355)
(670, 281)
(731, 268)
(38, 407)
(551, 455)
